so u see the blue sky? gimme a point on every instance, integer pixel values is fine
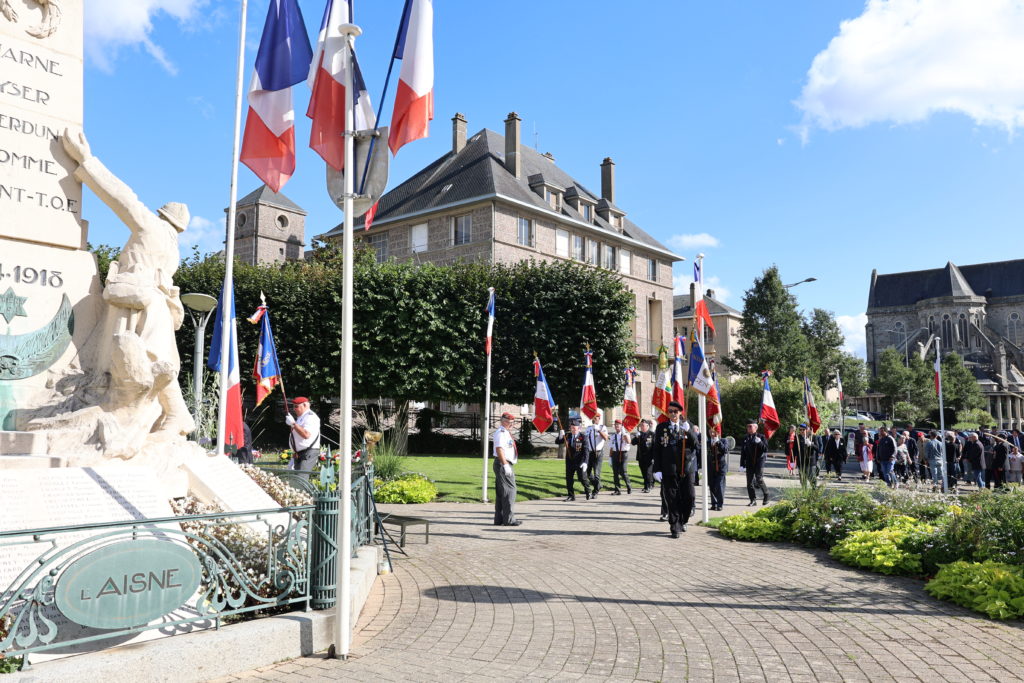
(828, 138)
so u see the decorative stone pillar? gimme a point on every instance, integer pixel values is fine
(999, 412)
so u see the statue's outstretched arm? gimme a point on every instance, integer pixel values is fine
(114, 192)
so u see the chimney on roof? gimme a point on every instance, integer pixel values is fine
(512, 160)
(711, 294)
(608, 179)
(458, 133)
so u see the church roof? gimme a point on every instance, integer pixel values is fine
(989, 280)
(264, 195)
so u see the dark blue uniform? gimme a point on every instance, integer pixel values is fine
(675, 457)
(577, 451)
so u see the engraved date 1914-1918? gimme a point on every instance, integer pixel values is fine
(29, 276)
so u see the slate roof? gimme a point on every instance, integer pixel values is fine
(264, 195)
(682, 307)
(478, 172)
(990, 280)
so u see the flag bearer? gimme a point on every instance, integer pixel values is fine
(505, 456)
(675, 465)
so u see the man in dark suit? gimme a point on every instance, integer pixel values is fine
(718, 467)
(577, 452)
(835, 453)
(675, 465)
(753, 454)
(644, 442)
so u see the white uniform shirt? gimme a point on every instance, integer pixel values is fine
(596, 433)
(311, 423)
(620, 441)
(503, 439)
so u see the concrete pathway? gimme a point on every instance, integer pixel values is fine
(598, 591)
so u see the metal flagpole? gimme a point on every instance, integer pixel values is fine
(226, 322)
(942, 413)
(842, 419)
(702, 400)
(486, 424)
(342, 626)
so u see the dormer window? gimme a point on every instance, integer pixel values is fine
(588, 213)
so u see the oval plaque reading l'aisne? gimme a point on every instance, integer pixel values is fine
(129, 583)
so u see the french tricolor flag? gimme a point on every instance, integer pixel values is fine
(769, 415)
(327, 81)
(268, 147)
(543, 403)
(490, 319)
(234, 437)
(414, 100)
(588, 400)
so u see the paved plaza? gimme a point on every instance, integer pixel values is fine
(598, 591)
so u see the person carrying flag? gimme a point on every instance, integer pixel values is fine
(304, 435)
(577, 452)
(620, 442)
(676, 446)
(597, 437)
(505, 456)
(644, 442)
(753, 454)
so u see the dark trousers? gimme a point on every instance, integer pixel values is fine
(304, 460)
(679, 497)
(619, 470)
(755, 480)
(504, 495)
(646, 470)
(594, 470)
(998, 477)
(716, 486)
(837, 465)
(572, 471)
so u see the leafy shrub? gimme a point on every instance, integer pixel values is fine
(752, 528)
(821, 517)
(388, 466)
(882, 550)
(993, 588)
(413, 489)
(990, 526)
(927, 507)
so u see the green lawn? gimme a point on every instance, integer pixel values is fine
(458, 477)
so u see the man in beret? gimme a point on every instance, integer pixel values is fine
(676, 444)
(620, 442)
(304, 434)
(505, 456)
(644, 442)
(577, 452)
(753, 453)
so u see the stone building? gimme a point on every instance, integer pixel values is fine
(976, 310)
(269, 228)
(726, 336)
(491, 198)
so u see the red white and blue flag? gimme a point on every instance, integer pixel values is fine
(588, 400)
(327, 81)
(490, 319)
(414, 99)
(662, 393)
(543, 403)
(813, 418)
(839, 387)
(938, 375)
(630, 406)
(700, 374)
(268, 147)
(714, 403)
(769, 415)
(267, 371)
(233, 435)
(678, 381)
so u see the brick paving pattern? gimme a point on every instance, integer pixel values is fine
(597, 591)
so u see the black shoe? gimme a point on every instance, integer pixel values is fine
(684, 527)
(515, 523)
(764, 501)
(751, 503)
(589, 496)
(674, 534)
(616, 492)
(663, 518)
(629, 492)
(569, 499)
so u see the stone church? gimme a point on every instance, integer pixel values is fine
(976, 310)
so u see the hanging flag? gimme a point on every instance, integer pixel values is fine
(839, 386)
(414, 99)
(543, 403)
(662, 394)
(700, 312)
(588, 400)
(490, 320)
(678, 383)
(938, 375)
(327, 81)
(267, 371)
(630, 406)
(696, 271)
(813, 419)
(700, 373)
(370, 215)
(769, 416)
(714, 403)
(233, 435)
(268, 147)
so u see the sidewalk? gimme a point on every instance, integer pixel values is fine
(598, 591)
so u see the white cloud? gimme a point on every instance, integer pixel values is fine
(903, 60)
(694, 241)
(681, 285)
(852, 327)
(203, 233)
(113, 24)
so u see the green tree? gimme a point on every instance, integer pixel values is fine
(854, 373)
(826, 343)
(960, 390)
(893, 378)
(104, 254)
(741, 401)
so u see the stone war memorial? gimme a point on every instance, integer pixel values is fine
(93, 427)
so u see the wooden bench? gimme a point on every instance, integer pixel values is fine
(403, 522)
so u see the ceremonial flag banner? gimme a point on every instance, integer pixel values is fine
(630, 406)
(938, 375)
(543, 403)
(233, 435)
(588, 400)
(769, 415)
(700, 374)
(490, 319)
(700, 312)
(813, 419)
(326, 79)
(414, 100)
(839, 386)
(662, 394)
(267, 371)
(714, 404)
(678, 383)
(268, 147)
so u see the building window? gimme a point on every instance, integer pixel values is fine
(616, 221)
(588, 213)
(609, 257)
(525, 234)
(947, 331)
(562, 243)
(240, 221)
(625, 261)
(379, 243)
(578, 247)
(418, 238)
(462, 228)
(282, 221)
(652, 269)
(592, 252)
(931, 324)
(961, 325)
(897, 334)
(1013, 328)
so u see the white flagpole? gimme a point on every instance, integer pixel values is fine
(486, 424)
(702, 401)
(342, 625)
(226, 323)
(942, 414)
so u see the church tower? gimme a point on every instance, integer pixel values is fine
(269, 228)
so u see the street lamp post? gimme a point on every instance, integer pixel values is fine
(809, 279)
(200, 307)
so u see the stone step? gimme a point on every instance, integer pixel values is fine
(23, 443)
(23, 461)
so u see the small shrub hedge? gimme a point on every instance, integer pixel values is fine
(993, 588)
(414, 488)
(882, 550)
(755, 527)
